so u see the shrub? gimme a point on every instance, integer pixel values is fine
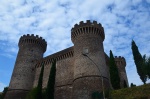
(32, 94)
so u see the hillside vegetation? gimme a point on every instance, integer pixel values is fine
(139, 92)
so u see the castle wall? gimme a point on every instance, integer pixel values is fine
(64, 67)
(90, 70)
(78, 74)
(26, 58)
(31, 49)
(64, 72)
(64, 78)
(121, 64)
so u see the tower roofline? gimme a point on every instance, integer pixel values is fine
(33, 39)
(121, 59)
(88, 27)
(87, 23)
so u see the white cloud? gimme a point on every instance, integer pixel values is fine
(53, 20)
(2, 85)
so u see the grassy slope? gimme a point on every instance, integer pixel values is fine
(139, 92)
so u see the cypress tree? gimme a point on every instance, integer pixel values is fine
(51, 82)
(148, 67)
(40, 81)
(139, 62)
(114, 74)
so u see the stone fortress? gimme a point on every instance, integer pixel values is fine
(77, 77)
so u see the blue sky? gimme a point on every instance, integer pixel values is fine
(123, 20)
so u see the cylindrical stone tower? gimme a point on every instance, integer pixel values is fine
(121, 64)
(88, 39)
(31, 48)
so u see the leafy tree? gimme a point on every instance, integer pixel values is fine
(4, 92)
(51, 82)
(139, 62)
(39, 87)
(1, 96)
(114, 74)
(132, 85)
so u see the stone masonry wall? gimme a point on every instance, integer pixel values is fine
(64, 68)
(121, 64)
(31, 49)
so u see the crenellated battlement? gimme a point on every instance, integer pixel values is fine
(33, 39)
(119, 57)
(87, 28)
(76, 68)
(67, 53)
(121, 64)
(120, 60)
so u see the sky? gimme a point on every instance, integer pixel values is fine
(123, 21)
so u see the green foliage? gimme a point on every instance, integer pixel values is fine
(40, 81)
(114, 74)
(47, 93)
(138, 92)
(108, 93)
(3, 93)
(44, 93)
(148, 67)
(139, 62)
(1, 96)
(132, 85)
(32, 94)
(51, 82)
(97, 95)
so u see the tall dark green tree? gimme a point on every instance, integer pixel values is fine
(114, 74)
(148, 67)
(4, 92)
(39, 86)
(51, 82)
(139, 62)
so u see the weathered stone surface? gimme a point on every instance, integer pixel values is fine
(77, 75)
(84, 87)
(63, 92)
(31, 49)
(16, 94)
(121, 64)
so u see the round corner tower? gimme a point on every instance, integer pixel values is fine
(90, 64)
(121, 64)
(31, 48)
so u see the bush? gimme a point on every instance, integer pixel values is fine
(1, 96)
(132, 85)
(99, 95)
(32, 94)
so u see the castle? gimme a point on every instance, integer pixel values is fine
(77, 75)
